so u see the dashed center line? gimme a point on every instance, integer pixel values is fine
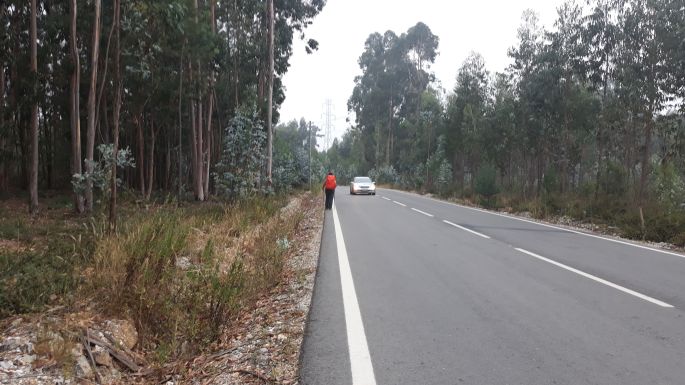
(423, 212)
(465, 229)
(386, 198)
(597, 279)
(399, 203)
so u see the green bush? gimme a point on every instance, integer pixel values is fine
(486, 184)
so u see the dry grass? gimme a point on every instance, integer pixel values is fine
(181, 274)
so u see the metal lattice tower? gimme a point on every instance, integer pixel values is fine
(327, 118)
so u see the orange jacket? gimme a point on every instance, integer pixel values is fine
(329, 183)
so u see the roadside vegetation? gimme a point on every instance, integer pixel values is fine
(587, 122)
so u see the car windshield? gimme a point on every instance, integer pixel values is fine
(362, 179)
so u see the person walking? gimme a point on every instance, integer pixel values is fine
(329, 187)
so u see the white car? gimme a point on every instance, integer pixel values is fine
(362, 185)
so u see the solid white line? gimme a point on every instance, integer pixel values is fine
(401, 204)
(597, 279)
(465, 229)
(386, 198)
(422, 212)
(360, 358)
(551, 226)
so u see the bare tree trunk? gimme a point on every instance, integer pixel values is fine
(90, 134)
(75, 107)
(649, 126)
(269, 112)
(151, 161)
(141, 152)
(33, 166)
(208, 145)
(236, 78)
(115, 123)
(199, 166)
(210, 109)
(180, 126)
(3, 140)
(387, 151)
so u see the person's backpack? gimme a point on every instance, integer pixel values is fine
(330, 182)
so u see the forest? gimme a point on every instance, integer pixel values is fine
(587, 121)
(185, 93)
(142, 174)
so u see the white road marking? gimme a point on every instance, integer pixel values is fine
(386, 198)
(422, 212)
(360, 358)
(401, 204)
(551, 226)
(465, 229)
(597, 279)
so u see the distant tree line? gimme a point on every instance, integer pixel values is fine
(165, 79)
(588, 120)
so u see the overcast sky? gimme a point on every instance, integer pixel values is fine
(485, 26)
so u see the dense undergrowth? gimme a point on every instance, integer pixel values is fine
(180, 273)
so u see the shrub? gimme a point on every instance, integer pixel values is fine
(486, 184)
(239, 169)
(384, 175)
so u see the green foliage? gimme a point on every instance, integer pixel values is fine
(668, 186)
(30, 279)
(101, 175)
(486, 184)
(384, 175)
(443, 181)
(238, 173)
(612, 180)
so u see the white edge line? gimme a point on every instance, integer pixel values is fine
(423, 212)
(360, 358)
(465, 229)
(401, 204)
(550, 226)
(597, 279)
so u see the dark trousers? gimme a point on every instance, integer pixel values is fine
(329, 199)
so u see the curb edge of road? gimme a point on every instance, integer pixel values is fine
(311, 300)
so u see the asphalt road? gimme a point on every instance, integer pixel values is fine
(453, 295)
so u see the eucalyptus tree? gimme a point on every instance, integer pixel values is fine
(33, 133)
(466, 115)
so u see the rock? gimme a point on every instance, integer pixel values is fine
(123, 332)
(101, 357)
(183, 263)
(27, 359)
(82, 367)
(6, 365)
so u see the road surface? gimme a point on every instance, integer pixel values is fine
(412, 290)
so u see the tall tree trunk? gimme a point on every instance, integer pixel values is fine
(210, 109)
(197, 115)
(75, 109)
(151, 161)
(649, 128)
(3, 140)
(33, 173)
(115, 116)
(236, 52)
(208, 145)
(141, 152)
(387, 150)
(180, 126)
(90, 134)
(270, 86)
